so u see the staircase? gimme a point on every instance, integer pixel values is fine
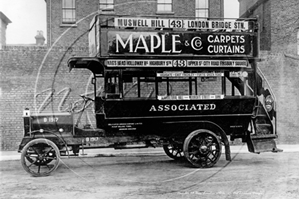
(262, 137)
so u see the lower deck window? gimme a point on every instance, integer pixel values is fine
(177, 85)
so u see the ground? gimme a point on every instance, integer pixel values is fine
(247, 176)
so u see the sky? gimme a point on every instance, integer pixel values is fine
(29, 16)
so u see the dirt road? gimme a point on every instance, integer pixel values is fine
(248, 176)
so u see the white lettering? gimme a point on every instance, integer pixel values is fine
(199, 106)
(119, 40)
(209, 39)
(174, 107)
(167, 107)
(163, 43)
(212, 106)
(182, 107)
(209, 49)
(152, 108)
(174, 41)
(193, 107)
(242, 39)
(145, 47)
(160, 108)
(152, 47)
(226, 39)
(206, 107)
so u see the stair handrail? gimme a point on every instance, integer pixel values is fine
(264, 77)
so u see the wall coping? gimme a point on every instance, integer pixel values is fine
(42, 48)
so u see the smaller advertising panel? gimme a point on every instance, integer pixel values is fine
(190, 97)
(183, 74)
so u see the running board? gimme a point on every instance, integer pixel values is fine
(262, 145)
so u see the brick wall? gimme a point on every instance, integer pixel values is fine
(284, 25)
(245, 5)
(279, 23)
(282, 72)
(216, 8)
(55, 27)
(85, 11)
(263, 13)
(279, 28)
(265, 23)
(28, 75)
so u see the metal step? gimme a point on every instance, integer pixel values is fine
(263, 129)
(263, 125)
(264, 145)
(264, 136)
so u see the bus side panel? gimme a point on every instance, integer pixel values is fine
(235, 126)
(167, 118)
(172, 108)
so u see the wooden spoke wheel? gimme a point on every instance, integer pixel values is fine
(174, 150)
(40, 157)
(202, 148)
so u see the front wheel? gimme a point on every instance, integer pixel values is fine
(40, 157)
(202, 148)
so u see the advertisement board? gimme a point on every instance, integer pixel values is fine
(178, 43)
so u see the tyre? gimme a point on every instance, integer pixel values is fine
(40, 157)
(174, 150)
(202, 148)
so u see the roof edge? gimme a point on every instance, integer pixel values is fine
(4, 18)
(252, 8)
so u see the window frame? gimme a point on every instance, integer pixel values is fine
(205, 9)
(159, 2)
(66, 20)
(107, 8)
(134, 85)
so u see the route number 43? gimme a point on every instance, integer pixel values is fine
(179, 63)
(176, 23)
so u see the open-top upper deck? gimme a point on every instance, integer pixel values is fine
(148, 42)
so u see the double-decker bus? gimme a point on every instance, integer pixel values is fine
(188, 85)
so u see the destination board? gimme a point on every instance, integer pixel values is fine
(181, 23)
(174, 63)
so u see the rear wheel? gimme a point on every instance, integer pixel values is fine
(40, 157)
(202, 148)
(174, 150)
